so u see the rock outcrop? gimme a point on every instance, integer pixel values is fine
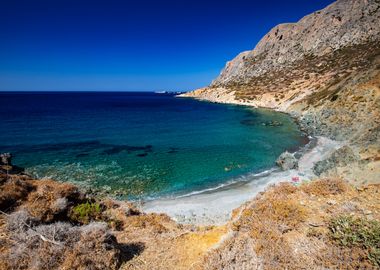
(5, 159)
(341, 24)
(287, 161)
(6, 165)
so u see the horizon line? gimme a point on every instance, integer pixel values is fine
(94, 91)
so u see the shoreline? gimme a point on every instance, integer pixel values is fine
(215, 207)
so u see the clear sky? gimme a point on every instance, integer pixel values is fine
(139, 45)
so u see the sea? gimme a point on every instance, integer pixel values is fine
(141, 145)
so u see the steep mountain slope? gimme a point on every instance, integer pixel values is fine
(324, 70)
(344, 23)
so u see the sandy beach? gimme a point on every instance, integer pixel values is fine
(214, 207)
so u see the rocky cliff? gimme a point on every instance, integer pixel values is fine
(342, 24)
(324, 70)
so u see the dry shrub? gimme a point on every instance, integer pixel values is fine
(325, 187)
(235, 253)
(277, 206)
(285, 188)
(268, 220)
(59, 245)
(30, 246)
(361, 235)
(154, 222)
(335, 257)
(273, 220)
(51, 199)
(283, 238)
(20, 221)
(286, 212)
(3, 177)
(96, 249)
(12, 192)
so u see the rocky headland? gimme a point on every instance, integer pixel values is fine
(323, 70)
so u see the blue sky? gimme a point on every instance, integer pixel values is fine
(140, 45)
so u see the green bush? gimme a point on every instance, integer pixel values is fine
(359, 232)
(86, 212)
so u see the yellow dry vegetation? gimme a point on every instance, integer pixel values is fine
(323, 224)
(295, 227)
(191, 247)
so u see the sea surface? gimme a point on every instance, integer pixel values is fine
(141, 145)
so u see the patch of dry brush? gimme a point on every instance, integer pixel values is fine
(324, 224)
(45, 224)
(39, 231)
(290, 227)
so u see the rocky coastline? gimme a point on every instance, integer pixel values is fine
(45, 224)
(325, 72)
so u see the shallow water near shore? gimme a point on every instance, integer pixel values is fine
(141, 145)
(214, 207)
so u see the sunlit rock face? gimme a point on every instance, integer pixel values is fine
(343, 23)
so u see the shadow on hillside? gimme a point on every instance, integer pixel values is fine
(130, 250)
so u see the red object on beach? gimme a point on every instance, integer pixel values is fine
(295, 179)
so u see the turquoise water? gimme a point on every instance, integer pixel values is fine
(140, 144)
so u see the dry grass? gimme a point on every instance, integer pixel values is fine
(152, 222)
(267, 221)
(46, 229)
(322, 224)
(13, 191)
(36, 231)
(59, 245)
(51, 199)
(290, 227)
(325, 187)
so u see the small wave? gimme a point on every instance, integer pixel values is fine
(240, 180)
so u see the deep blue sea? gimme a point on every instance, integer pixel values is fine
(140, 145)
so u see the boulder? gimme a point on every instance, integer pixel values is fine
(341, 157)
(287, 161)
(6, 159)
(6, 166)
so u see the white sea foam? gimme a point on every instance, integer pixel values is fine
(235, 181)
(214, 205)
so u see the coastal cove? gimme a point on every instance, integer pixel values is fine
(215, 207)
(144, 146)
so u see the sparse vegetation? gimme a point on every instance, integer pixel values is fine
(325, 187)
(35, 245)
(12, 191)
(349, 231)
(86, 212)
(305, 227)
